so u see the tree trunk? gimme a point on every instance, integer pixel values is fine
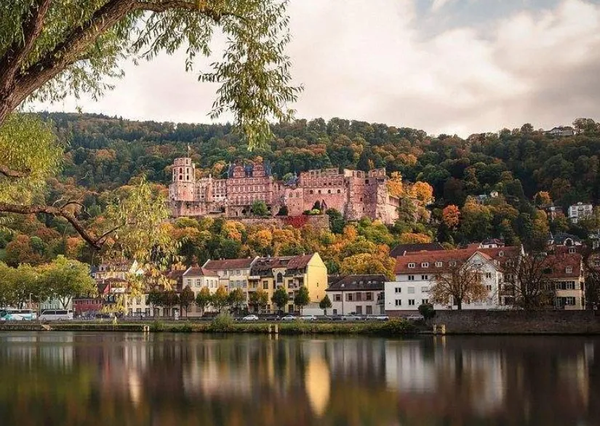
(459, 305)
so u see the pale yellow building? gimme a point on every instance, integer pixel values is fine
(291, 273)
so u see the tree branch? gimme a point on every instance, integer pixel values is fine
(200, 6)
(15, 55)
(76, 42)
(54, 211)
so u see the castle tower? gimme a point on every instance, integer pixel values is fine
(182, 188)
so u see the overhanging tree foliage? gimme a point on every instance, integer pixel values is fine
(50, 49)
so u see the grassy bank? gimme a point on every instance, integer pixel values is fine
(225, 325)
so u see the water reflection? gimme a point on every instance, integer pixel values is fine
(129, 379)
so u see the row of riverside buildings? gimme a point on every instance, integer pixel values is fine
(414, 274)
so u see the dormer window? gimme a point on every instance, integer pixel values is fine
(501, 254)
(411, 265)
(571, 250)
(425, 265)
(438, 264)
(452, 263)
(569, 269)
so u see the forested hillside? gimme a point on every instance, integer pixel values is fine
(529, 169)
(107, 152)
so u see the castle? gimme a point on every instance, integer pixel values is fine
(354, 193)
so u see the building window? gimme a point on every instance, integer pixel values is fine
(279, 278)
(398, 302)
(398, 290)
(349, 297)
(425, 265)
(488, 275)
(501, 254)
(411, 302)
(411, 290)
(569, 269)
(424, 277)
(265, 285)
(411, 278)
(369, 296)
(337, 297)
(424, 289)
(488, 287)
(425, 302)
(452, 263)
(411, 265)
(438, 264)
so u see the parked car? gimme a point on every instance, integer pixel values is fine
(250, 318)
(414, 317)
(350, 318)
(379, 318)
(308, 318)
(289, 318)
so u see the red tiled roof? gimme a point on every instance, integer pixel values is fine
(198, 271)
(461, 255)
(287, 262)
(558, 264)
(226, 264)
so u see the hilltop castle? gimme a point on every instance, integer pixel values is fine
(354, 193)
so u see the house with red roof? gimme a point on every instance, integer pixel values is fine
(415, 274)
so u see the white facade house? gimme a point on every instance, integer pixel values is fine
(415, 274)
(580, 211)
(357, 295)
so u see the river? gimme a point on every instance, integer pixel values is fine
(65, 379)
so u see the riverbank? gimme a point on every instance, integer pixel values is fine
(387, 328)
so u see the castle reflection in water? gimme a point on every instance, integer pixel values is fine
(261, 380)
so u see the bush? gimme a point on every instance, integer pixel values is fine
(157, 326)
(396, 328)
(427, 311)
(222, 322)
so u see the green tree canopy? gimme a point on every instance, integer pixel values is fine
(302, 298)
(280, 298)
(203, 298)
(65, 279)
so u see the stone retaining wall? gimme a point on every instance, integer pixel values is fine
(519, 322)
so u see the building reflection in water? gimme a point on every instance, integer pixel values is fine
(67, 379)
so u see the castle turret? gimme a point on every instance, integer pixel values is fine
(182, 188)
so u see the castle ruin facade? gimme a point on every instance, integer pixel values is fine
(354, 193)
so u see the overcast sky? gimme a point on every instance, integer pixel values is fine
(443, 66)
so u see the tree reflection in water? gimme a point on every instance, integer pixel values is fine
(128, 379)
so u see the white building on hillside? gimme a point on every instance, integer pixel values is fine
(580, 211)
(415, 274)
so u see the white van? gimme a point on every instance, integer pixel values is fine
(56, 315)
